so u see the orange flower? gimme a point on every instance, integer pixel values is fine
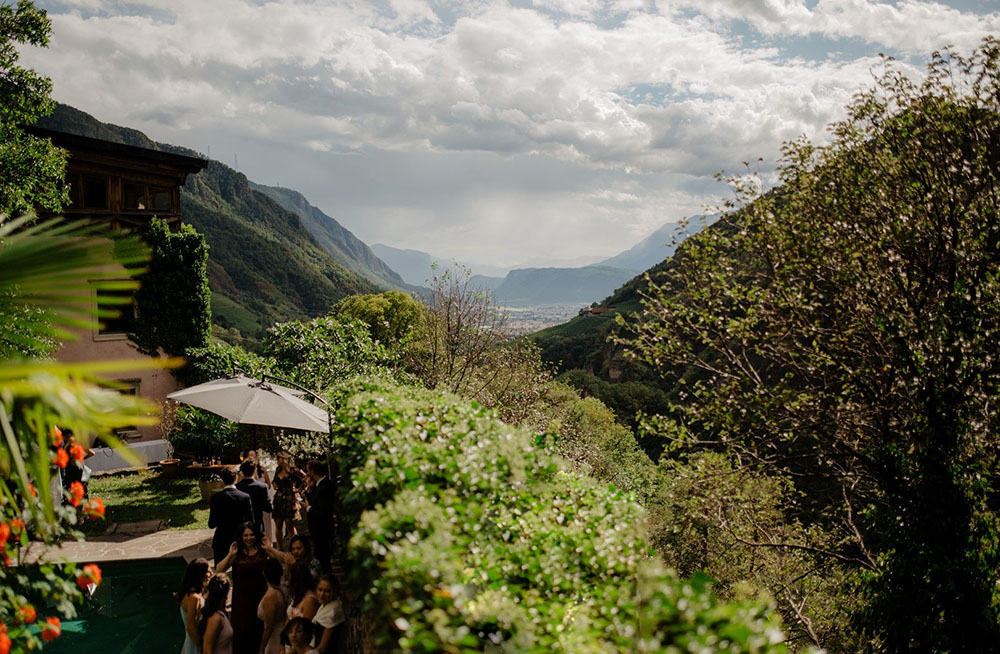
(4, 640)
(61, 458)
(91, 575)
(4, 533)
(31, 487)
(77, 452)
(51, 629)
(16, 526)
(76, 493)
(28, 613)
(57, 438)
(95, 508)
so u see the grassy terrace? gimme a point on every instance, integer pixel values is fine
(147, 495)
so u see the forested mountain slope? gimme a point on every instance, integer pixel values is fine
(264, 264)
(336, 239)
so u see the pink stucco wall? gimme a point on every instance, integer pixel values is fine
(153, 384)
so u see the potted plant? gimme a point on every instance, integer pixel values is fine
(169, 466)
(202, 436)
(210, 484)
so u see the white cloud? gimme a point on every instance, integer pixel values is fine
(906, 26)
(619, 94)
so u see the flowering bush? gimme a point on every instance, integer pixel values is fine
(468, 536)
(44, 269)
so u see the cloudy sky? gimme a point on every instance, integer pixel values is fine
(490, 131)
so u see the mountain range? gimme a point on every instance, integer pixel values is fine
(548, 285)
(265, 264)
(274, 257)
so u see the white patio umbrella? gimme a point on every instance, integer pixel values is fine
(255, 402)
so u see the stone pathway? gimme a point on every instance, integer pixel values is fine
(134, 540)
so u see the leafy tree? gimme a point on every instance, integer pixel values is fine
(324, 351)
(630, 400)
(462, 334)
(846, 329)
(31, 168)
(173, 300)
(731, 522)
(391, 317)
(217, 360)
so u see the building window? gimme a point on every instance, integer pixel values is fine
(133, 196)
(140, 197)
(159, 198)
(128, 387)
(95, 192)
(115, 311)
(88, 191)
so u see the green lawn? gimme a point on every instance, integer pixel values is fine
(146, 495)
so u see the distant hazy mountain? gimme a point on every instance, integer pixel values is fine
(485, 282)
(414, 266)
(336, 239)
(528, 286)
(264, 265)
(558, 262)
(656, 247)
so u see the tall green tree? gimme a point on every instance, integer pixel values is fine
(391, 317)
(846, 328)
(173, 303)
(31, 168)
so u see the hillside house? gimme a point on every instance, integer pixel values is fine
(122, 186)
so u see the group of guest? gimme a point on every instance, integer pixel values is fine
(249, 498)
(278, 604)
(281, 601)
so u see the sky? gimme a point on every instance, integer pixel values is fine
(538, 132)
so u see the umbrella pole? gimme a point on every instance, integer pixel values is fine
(329, 418)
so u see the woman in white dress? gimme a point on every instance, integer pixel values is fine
(192, 596)
(330, 615)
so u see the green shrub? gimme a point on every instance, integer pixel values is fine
(217, 360)
(467, 536)
(203, 434)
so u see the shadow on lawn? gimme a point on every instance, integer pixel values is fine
(145, 495)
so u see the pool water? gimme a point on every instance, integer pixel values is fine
(133, 611)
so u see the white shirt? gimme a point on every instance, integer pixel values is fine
(329, 615)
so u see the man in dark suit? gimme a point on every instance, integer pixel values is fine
(319, 517)
(228, 509)
(260, 503)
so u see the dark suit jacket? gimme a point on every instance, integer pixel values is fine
(320, 516)
(259, 501)
(228, 509)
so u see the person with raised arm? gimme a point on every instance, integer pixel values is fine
(247, 559)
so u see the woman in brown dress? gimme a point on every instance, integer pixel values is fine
(247, 558)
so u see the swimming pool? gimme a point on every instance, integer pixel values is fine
(133, 611)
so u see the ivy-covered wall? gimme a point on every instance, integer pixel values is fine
(173, 301)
